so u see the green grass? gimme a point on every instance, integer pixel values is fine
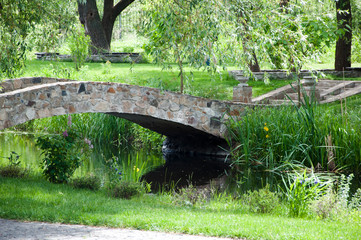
(199, 83)
(37, 200)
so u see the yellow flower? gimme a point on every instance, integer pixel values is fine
(136, 169)
(267, 136)
(266, 129)
(265, 124)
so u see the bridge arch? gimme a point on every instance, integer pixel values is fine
(171, 114)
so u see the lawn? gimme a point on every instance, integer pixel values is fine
(199, 83)
(37, 200)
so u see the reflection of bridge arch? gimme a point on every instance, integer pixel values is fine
(168, 113)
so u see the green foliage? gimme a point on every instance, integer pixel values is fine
(300, 191)
(90, 181)
(284, 37)
(18, 19)
(337, 202)
(191, 195)
(13, 169)
(262, 200)
(127, 190)
(183, 32)
(62, 153)
(79, 46)
(128, 49)
(287, 137)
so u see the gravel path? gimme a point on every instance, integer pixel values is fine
(10, 229)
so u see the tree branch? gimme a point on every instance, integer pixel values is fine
(120, 6)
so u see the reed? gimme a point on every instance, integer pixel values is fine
(288, 137)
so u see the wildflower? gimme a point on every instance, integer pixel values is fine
(265, 124)
(136, 169)
(116, 169)
(267, 136)
(120, 173)
(65, 133)
(266, 128)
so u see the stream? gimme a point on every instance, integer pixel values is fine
(160, 170)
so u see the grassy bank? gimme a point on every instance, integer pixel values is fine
(37, 200)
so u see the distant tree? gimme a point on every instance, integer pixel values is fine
(100, 29)
(184, 32)
(344, 41)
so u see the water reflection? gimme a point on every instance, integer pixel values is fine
(24, 144)
(182, 170)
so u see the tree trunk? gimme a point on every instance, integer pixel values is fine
(343, 44)
(100, 30)
(254, 65)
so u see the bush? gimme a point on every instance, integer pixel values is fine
(12, 171)
(127, 190)
(338, 203)
(191, 195)
(62, 153)
(91, 182)
(262, 200)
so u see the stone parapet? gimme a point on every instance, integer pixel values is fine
(169, 113)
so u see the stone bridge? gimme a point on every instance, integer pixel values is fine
(185, 118)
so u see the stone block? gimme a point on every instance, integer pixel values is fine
(242, 94)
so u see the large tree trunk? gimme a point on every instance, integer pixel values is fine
(100, 30)
(343, 44)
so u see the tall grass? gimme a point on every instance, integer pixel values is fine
(103, 129)
(283, 138)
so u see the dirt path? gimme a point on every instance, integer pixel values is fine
(10, 229)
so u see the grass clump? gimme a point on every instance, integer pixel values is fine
(91, 182)
(262, 200)
(127, 190)
(13, 169)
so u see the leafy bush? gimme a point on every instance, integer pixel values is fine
(62, 153)
(127, 190)
(91, 182)
(262, 200)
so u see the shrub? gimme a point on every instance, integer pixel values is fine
(91, 182)
(12, 171)
(62, 153)
(189, 196)
(262, 200)
(338, 202)
(127, 190)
